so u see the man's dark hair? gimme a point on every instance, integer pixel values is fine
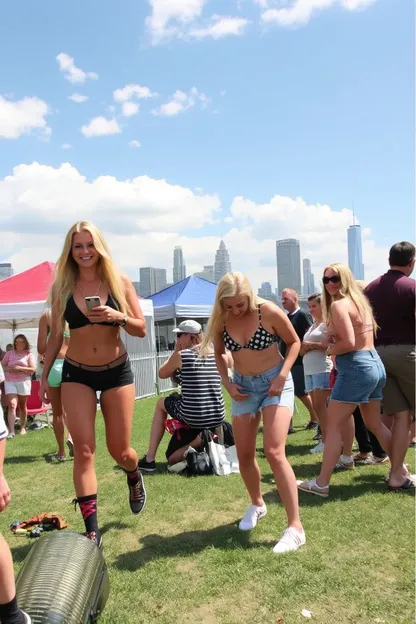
(315, 297)
(402, 254)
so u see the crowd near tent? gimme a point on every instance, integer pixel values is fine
(23, 299)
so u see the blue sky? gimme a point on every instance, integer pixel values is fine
(313, 107)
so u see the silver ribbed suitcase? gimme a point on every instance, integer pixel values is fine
(63, 580)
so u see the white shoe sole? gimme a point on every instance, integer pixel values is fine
(259, 517)
(316, 493)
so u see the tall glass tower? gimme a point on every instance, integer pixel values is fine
(288, 265)
(179, 268)
(355, 251)
(222, 264)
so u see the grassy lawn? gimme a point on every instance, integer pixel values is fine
(184, 560)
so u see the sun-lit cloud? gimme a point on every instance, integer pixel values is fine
(71, 72)
(23, 116)
(181, 101)
(100, 126)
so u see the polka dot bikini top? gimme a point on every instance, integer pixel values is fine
(262, 339)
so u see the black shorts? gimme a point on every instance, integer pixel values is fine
(298, 375)
(99, 381)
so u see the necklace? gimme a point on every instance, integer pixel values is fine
(95, 294)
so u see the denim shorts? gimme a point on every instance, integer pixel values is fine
(257, 386)
(361, 377)
(317, 381)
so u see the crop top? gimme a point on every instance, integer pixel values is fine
(262, 339)
(76, 319)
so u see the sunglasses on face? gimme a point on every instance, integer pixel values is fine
(335, 279)
(180, 334)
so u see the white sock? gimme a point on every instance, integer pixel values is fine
(347, 459)
(321, 487)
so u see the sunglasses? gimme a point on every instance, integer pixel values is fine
(335, 279)
(180, 334)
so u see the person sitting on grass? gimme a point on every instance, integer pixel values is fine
(199, 406)
(9, 610)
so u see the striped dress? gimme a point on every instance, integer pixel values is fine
(202, 404)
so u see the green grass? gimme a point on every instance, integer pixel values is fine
(184, 560)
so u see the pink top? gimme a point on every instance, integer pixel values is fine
(13, 358)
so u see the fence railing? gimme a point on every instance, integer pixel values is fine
(145, 367)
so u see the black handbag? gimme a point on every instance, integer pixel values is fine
(199, 462)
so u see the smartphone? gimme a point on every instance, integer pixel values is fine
(92, 302)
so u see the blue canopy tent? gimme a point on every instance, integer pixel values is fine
(192, 297)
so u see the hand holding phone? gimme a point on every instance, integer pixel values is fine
(92, 302)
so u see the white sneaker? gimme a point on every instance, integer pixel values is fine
(10, 436)
(319, 448)
(251, 517)
(292, 539)
(27, 617)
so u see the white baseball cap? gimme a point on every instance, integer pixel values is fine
(188, 327)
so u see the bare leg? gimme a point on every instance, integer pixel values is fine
(58, 421)
(117, 405)
(412, 433)
(158, 430)
(7, 584)
(80, 406)
(307, 402)
(11, 411)
(399, 445)
(348, 434)
(275, 425)
(320, 402)
(22, 404)
(338, 413)
(245, 432)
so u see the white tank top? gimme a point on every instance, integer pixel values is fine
(316, 361)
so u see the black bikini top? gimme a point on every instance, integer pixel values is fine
(76, 319)
(262, 339)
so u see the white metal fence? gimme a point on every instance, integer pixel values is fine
(145, 367)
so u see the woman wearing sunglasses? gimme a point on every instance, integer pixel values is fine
(361, 375)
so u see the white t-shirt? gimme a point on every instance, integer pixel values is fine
(316, 361)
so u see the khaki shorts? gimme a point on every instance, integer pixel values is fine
(400, 364)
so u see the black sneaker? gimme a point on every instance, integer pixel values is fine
(137, 495)
(318, 434)
(94, 537)
(311, 425)
(70, 446)
(147, 466)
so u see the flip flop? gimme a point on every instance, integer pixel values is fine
(407, 485)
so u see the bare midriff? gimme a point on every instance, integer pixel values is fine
(249, 362)
(95, 345)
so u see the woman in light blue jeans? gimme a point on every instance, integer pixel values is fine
(249, 329)
(361, 375)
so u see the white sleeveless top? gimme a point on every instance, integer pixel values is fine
(316, 361)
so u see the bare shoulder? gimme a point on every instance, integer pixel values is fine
(126, 280)
(341, 306)
(270, 310)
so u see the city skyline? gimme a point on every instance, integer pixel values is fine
(179, 267)
(222, 263)
(6, 270)
(355, 252)
(288, 265)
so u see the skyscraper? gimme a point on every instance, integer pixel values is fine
(355, 252)
(179, 268)
(207, 273)
(6, 270)
(288, 264)
(222, 264)
(308, 278)
(151, 280)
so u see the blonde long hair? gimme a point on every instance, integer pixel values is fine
(350, 289)
(231, 285)
(66, 270)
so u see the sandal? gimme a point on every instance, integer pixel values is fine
(408, 484)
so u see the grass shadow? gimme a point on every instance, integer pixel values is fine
(19, 553)
(50, 458)
(226, 537)
(21, 459)
(119, 526)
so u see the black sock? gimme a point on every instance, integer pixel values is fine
(133, 475)
(88, 507)
(10, 613)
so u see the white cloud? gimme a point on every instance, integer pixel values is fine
(219, 27)
(299, 12)
(129, 109)
(71, 72)
(66, 146)
(168, 17)
(78, 98)
(100, 126)
(133, 91)
(135, 144)
(41, 203)
(23, 117)
(181, 101)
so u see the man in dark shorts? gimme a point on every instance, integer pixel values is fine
(200, 404)
(301, 323)
(392, 297)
